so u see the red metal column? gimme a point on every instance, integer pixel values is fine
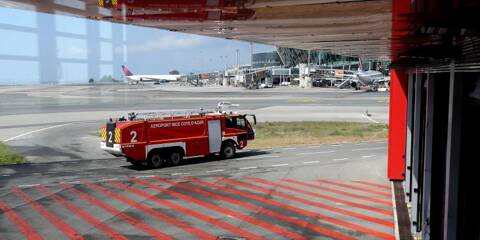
(398, 93)
(398, 123)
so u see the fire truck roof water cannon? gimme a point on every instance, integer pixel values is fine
(162, 138)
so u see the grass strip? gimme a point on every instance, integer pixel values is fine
(281, 134)
(8, 156)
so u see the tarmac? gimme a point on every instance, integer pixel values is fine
(71, 189)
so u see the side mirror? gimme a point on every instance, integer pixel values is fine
(254, 118)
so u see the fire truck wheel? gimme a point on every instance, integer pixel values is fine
(155, 160)
(228, 150)
(175, 158)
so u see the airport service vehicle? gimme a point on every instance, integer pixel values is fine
(159, 138)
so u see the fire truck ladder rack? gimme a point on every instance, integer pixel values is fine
(166, 114)
(221, 107)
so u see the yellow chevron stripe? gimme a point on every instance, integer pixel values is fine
(104, 134)
(117, 135)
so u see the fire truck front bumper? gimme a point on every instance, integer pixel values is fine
(116, 150)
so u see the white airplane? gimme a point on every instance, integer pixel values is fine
(369, 78)
(136, 79)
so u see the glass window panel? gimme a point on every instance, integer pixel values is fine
(18, 43)
(105, 30)
(71, 48)
(106, 51)
(19, 72)
(68, 24)
(73, 73)
(16, 17)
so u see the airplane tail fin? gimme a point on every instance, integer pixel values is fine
(126, 71)
(360, 65)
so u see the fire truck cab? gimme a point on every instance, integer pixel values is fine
(157, 139)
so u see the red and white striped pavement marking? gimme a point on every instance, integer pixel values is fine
(361, 189)
(144, 208)
(260, 210)
(352, 195)
(28, 231)
(364, 217)
(119, 214)
(20, 223)
(70, 232)
(324, 218)
(188, 212)
(112, 233)
(323, 196)
(381, 186)
(267, 226)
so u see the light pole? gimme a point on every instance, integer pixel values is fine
(238, 58)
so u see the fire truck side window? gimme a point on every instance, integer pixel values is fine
(235, 122)
(230, 122)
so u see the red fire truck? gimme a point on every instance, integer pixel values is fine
(159, 138)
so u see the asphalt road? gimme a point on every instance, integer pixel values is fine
(59, 123)
(72, 190)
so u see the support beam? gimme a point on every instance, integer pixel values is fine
(409, 135)
(428, 159)
(398, 98)
(452, 175)
(47, 49)
(398, 121)
(93, 44)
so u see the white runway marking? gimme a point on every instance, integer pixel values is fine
(367, 149)
(369, 156)
(28, 185)
(35, 131)
(289, 148)
(74, 182)
(312, 153)
(106, 180)
(245, 168)
(147, 176)
(310, 162)
(280, 165)
(340, 159)
(370, 119)
(218, 170)
(259, 157)
(177, 174)
(6, 175)
(397, 232)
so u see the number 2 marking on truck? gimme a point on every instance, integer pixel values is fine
(134, 136)
(110, 136)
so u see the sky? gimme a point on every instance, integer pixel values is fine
(37, 47)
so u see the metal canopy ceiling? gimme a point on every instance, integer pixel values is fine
(346, 27)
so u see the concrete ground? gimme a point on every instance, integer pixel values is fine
(71, 189)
